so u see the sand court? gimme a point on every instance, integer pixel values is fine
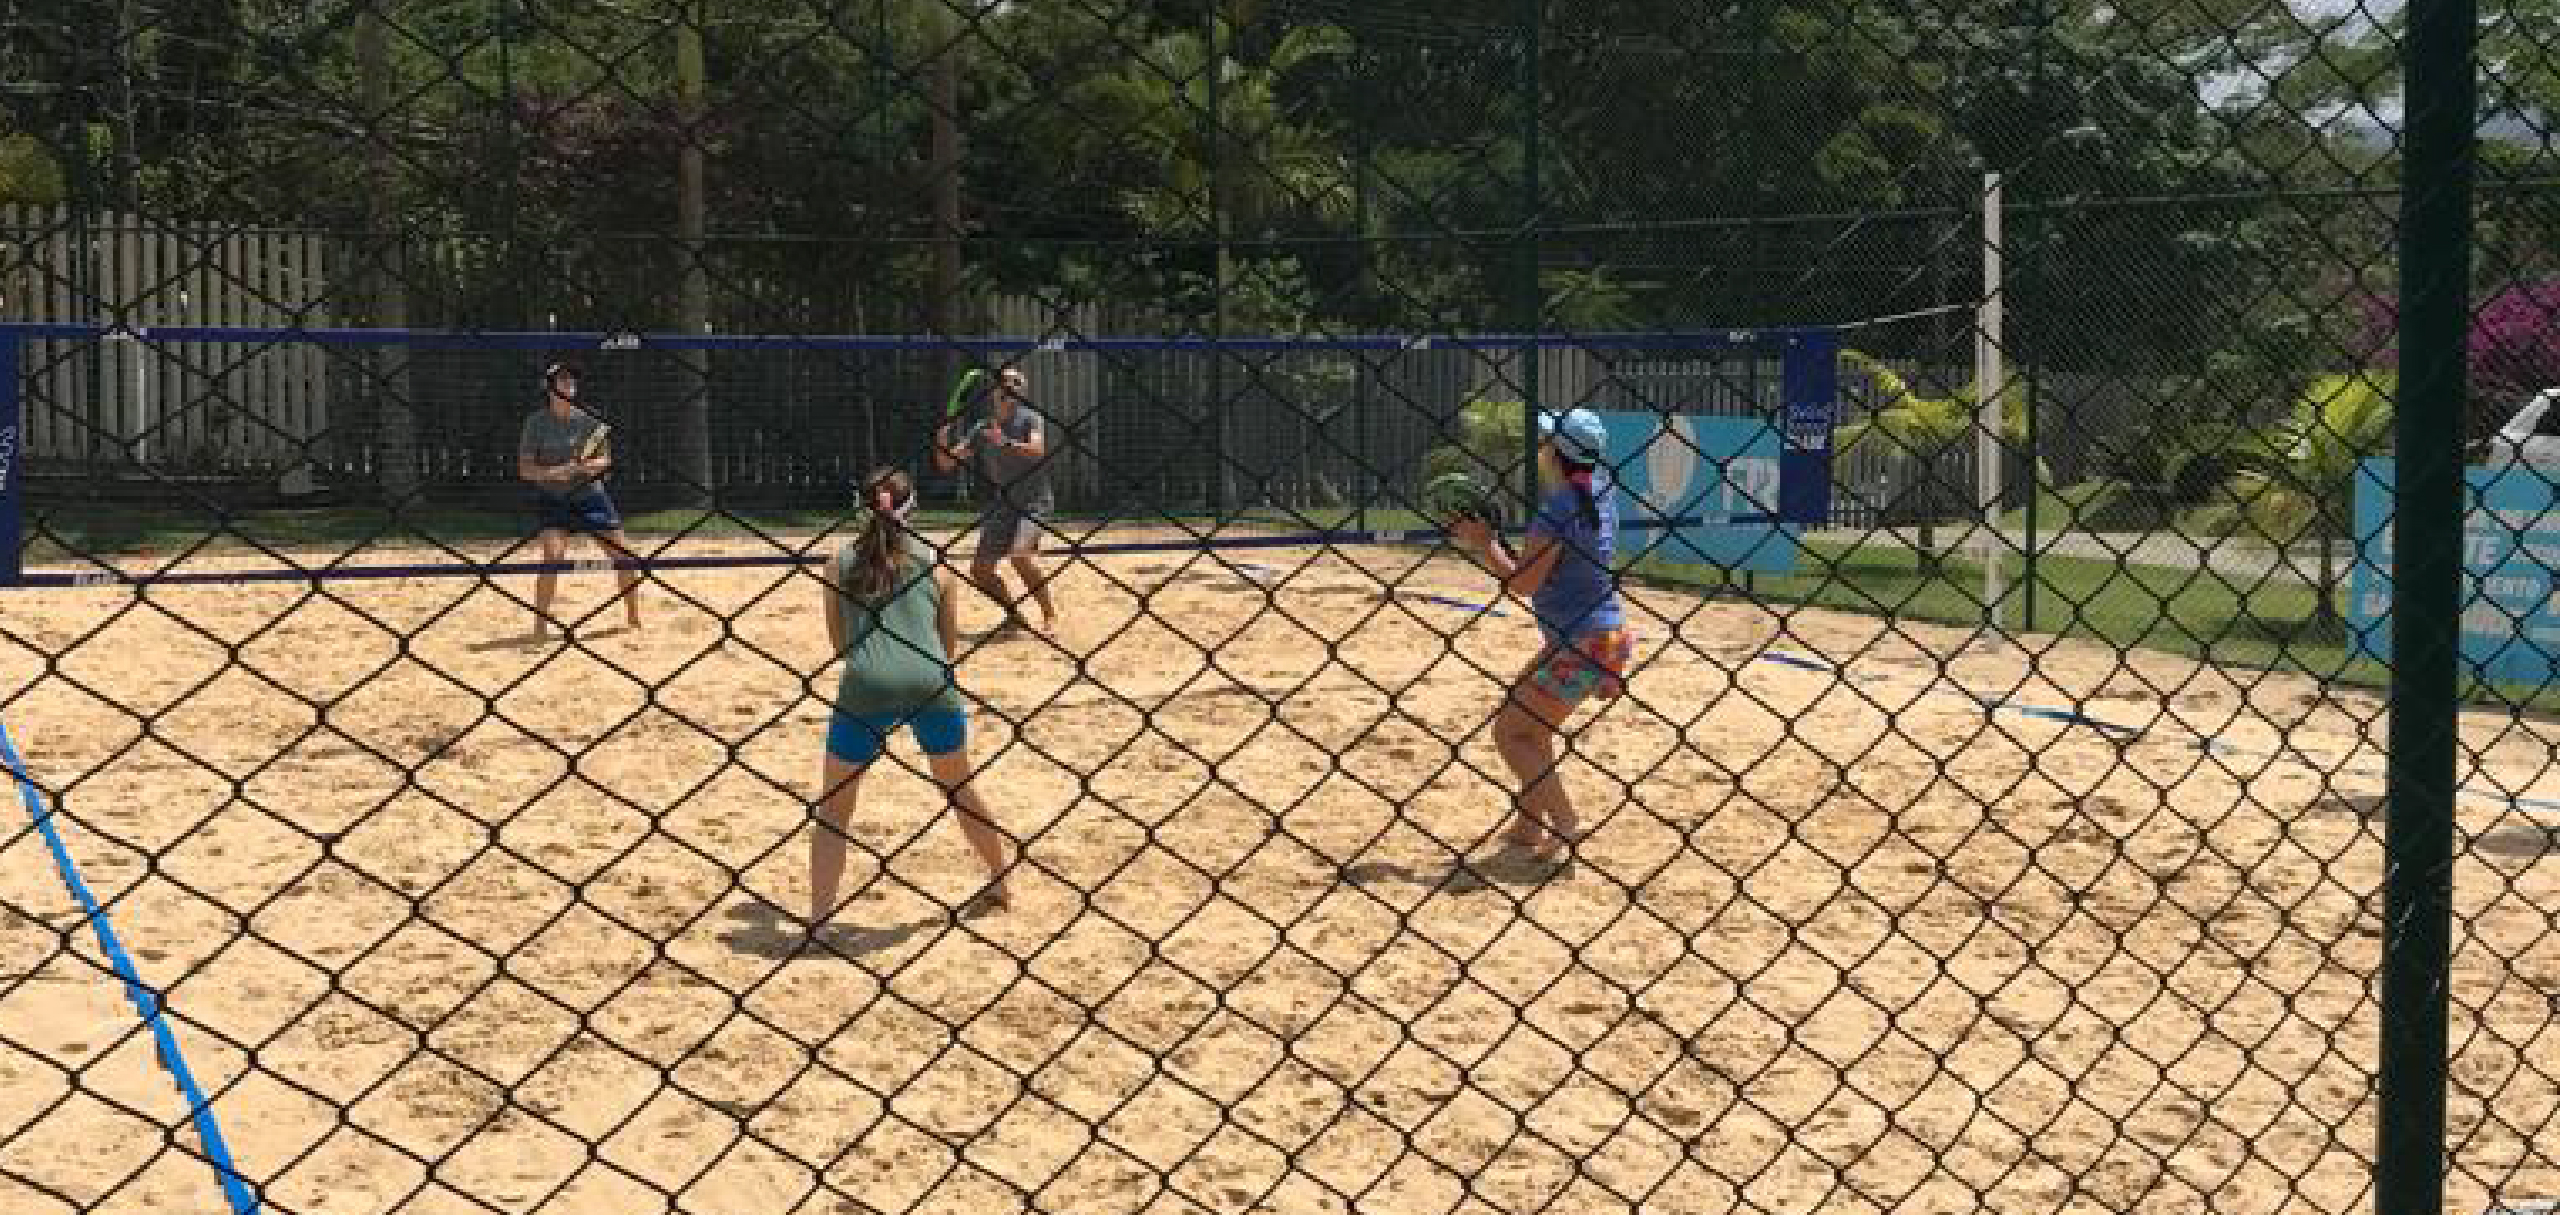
(448, 921)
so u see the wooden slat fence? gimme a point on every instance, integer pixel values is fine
(178, 408)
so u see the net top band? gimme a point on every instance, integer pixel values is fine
(1704, 339)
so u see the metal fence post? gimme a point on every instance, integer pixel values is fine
(2427, 524)
(1530, 305)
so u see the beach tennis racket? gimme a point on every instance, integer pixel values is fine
(593, 447)
(1459, 495)
(964, 414)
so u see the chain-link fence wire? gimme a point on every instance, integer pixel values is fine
(1866, 916)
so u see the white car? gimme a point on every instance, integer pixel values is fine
(2531, 436)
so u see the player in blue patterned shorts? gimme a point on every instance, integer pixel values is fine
(1569, 577)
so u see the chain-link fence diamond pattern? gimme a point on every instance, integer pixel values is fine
(2004, 830)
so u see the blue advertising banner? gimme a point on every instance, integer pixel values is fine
(12, 440)
(1810, 384)
(2511, 555)
(1725, 473)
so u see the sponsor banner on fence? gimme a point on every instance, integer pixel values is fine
(2511, 558)
(1726, 473)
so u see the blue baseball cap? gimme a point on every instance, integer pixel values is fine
(1579, 435)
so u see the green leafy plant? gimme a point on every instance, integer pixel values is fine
(2200, 456)
(1491, 446)
(2296, 481)
(1927, 429)
(28, 173)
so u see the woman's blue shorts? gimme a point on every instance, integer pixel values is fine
(857, 738)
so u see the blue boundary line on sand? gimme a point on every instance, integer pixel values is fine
(2200, 742)
(145, 1001)
(1263, 573)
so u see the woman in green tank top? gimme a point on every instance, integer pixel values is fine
(893, 619)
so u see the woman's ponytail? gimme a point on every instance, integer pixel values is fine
(889, 498)
(1580, 476)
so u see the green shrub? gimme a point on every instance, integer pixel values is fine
(2221, 520)
(2184, 458)
(1492, 435)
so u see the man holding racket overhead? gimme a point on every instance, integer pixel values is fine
(563, 452)
(1007, 450)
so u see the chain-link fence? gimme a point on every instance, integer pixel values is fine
(2020, 794)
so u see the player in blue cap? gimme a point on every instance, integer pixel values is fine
(1568, 576)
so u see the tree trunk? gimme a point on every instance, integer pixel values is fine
(1220, 486)
(386, 292)
(943, 304)
(2325, 614)
(124, 133)
(1930, 487)
(693, 297)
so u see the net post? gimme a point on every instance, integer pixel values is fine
(12, 450)
(1988, 374)
(2427, 576)
(2035, 490)
(1360, 440)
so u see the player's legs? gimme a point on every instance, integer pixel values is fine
(943, 735)
(1533, 710)
(983, 575)
(619, 549)
(1026, 562)
(1034, 577)
(597, 517)
(995, 540)
(853, 741)
(553, 544)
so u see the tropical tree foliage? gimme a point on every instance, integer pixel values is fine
(1927, 432)
(1820, 157)
(2297, 481)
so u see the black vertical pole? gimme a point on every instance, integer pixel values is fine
(2031, 256)
(1531, 303)
(1217, 274)
(2417, 845)
(1365, 296)
(2035, 490)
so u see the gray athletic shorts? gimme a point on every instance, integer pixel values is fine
(1006, 530)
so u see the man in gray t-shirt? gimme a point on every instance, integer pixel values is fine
(564, 452)
(1009, 461)
(554, 439)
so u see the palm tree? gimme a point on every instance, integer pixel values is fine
(1264, 162)
(2298, 479)
(1926, 429)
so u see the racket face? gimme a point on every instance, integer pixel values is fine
(1457, 494)
(965, 413)
(965, 394)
